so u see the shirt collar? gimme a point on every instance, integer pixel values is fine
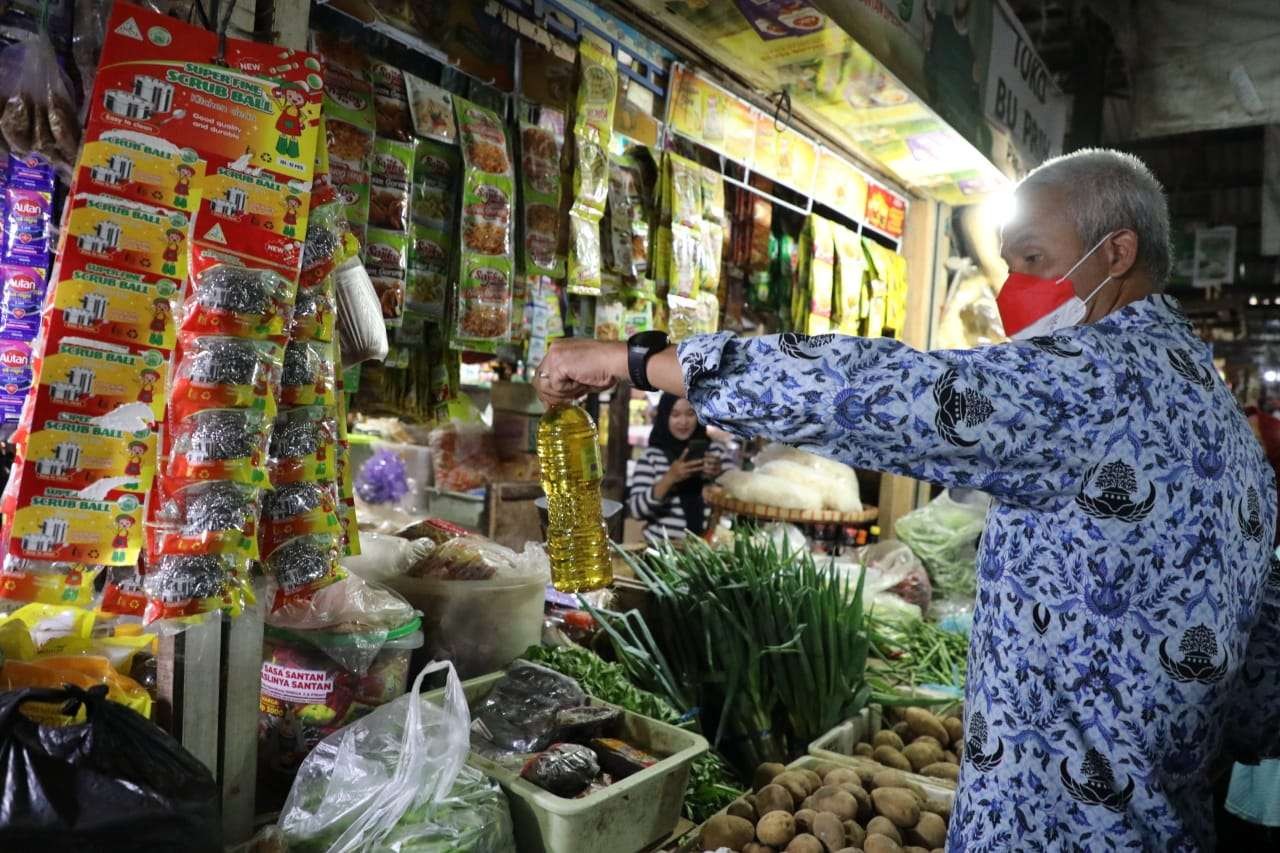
(1158, 309)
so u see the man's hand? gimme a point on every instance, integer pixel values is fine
(576, 367)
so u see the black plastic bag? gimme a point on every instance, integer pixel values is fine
(115, 782)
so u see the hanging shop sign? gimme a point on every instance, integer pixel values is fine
(1020, 94)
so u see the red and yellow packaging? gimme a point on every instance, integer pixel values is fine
(156, 77)
(90, 382)
(219, 444)
(224, 373)
(143, 169)
(115, 307)
(48, 582)
(71, 530)
(228, 296)
(70, 456)
(126, 235)
(304, 446)
(257, 212)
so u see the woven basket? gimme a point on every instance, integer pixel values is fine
(717, 497)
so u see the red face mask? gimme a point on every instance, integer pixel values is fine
(1032, 307)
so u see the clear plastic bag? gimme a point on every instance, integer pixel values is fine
(396, 780)
(944, 535)
(39, 113)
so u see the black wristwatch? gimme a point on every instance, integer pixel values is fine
(641, 347)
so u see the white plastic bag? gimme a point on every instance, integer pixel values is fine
(396, 778)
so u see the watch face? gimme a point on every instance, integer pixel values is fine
(648, 340)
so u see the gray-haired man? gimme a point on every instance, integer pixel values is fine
(1128, 549)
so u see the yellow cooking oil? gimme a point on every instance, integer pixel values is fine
(577, 543)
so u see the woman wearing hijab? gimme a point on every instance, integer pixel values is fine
(666, 486)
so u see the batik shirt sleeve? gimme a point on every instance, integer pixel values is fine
(1014, 421)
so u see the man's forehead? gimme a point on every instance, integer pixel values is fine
(1038, 214)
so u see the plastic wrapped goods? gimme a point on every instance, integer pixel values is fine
(944, 535)
(519, 714)
(396, 780)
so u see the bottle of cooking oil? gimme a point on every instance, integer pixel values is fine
(569, 452)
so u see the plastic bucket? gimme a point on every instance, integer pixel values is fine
(479, 625)
(306, 692)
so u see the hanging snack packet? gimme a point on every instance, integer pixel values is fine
(628, 222)
(429, 265)
(226, 297)
(540, 150)
(435, 179)
(298, 509)
(219, 444)
(712, 230)
(851, 266)
(483, 310)
(386, 259)
(143, 169)
(48, 582)
(875, 296)
(302, 445)
(432, 110)
(390, 179)
(113, 307)
(307, 377)
(303, 565)
(391, 102)
(223, 373)
(349, 122)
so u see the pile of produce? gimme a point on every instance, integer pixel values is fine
(769, 647)
(829, 809)
(920, 742)
(913, 654)
(711, 785)
(944, 534)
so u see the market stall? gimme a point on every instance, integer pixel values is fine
(270, 310)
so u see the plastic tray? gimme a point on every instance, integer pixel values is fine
(837, 745)
(626, 817)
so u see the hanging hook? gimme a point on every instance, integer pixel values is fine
(221, 58)
(782, 101)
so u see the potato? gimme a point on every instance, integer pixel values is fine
(774, 798)
(902, 729)
(805, 844)
(930, 739)
(727, 831)
(887, 737)
(922, 754)
(766, 773)
(815, 781)
(751, 799)
(881, 844)
(888, 779)
(955, 729)
(958, 749)
(863, 749)
(796, 785)
(929, 832)
(753, 847)
(890, 757)
(777, 829)
(804, 820)
(822, 768)
(897, 804)
(839, 803)
(883, 826)
(921, 722)
(859, 794)
(938, 806)
(850, 850)
(866, 772)
(854, 834)
(829, 829)
(743, 809)
(951, 758)
(914, 849)
(841, 775)
(941, 770)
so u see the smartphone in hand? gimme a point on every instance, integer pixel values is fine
(697, 448)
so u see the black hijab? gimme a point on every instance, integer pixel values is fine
(690, 491)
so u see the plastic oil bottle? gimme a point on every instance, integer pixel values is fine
(577, 543)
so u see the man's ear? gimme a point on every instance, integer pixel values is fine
(1121, 252)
